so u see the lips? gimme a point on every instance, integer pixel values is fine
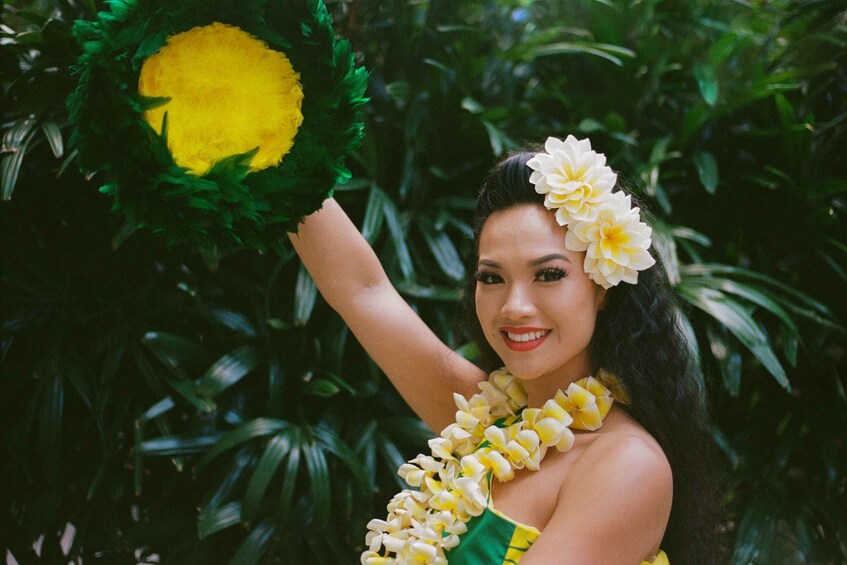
(523, 339)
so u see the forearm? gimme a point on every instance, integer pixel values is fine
(338, 258)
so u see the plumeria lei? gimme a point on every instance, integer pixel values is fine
(577, 184)
(451, 485)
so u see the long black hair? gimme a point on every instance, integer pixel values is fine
(638, 338)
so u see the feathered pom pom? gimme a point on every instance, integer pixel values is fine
(216, 142)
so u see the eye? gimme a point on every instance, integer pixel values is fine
(550, 274)
(487, 277)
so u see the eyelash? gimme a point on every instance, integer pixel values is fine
(556, 273)
(550, 274)
(485, 277)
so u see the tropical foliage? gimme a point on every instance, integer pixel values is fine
(159, 403)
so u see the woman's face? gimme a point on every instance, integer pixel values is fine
(535, 303)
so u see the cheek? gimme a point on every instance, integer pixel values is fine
(486, 310)
(575, 312)
(482, 305)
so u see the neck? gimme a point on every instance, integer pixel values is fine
(541, 389)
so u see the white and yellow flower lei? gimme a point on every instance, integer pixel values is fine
(577, 184)
(452, 483)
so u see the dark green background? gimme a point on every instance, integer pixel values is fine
(210, 408)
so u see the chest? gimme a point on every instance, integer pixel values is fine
(530, 498)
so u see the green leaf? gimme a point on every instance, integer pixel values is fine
(790, 345)
(470, 351)
(75, 373)
(252, 429)
(289, 478)
(766, 300)
(728, 358)
(275, 389)
(498, 138)
(726, 446)
(400, 91)
(687, 330)
(123, 234)
(681, 232)
(173, 350)
(756, 530)
(332, 443)
(707, 170)
(186, 390)
(54, 138)
(233, 320)
(472, 106)
(785, 110)
(337, 380)
(243, 461)
(811, 308)
(439, 293)
(16, 140)
(443, 250)
(374, 215)
(391, 456)
(602, 50)
(178, 445)
(695, 118)
(322, 388)
(228, 370)
(398, 238)
(319, 482)
(305, 295)
(707, 82)
(353, 185)
(665, 246)
(736, 319)
(218, 519)
(50, 426)
(406, 430)
(161, 407)
(71, 157)
(365, 448)
(177, 382)
(254, 545)
(275, 451)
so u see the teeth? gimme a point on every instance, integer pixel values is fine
(527, 336)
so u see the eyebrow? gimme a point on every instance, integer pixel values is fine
(531, 263)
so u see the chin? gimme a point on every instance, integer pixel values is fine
(523, 372)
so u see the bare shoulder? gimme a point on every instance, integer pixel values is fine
(625, 457)
(628, 466)
(614, 504)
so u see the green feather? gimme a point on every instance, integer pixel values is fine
(229, 206)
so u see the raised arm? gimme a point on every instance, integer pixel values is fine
(349, 276)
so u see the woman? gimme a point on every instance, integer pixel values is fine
(565, 288)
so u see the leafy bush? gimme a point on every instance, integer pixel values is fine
(210, 408)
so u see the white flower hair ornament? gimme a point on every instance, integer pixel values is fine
(577, 184)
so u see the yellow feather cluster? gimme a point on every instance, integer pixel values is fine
(229, 94)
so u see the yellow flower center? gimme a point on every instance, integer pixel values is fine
(229, 94)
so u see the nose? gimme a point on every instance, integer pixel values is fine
(519, 303)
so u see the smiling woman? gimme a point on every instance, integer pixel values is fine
(585, 357)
